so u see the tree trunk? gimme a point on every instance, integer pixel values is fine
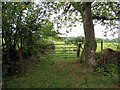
(88, 54)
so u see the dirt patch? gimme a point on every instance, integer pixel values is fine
(66, 64)
(59, 65)
(30, 63)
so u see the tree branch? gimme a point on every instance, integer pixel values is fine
(79, 7)
(104, 18)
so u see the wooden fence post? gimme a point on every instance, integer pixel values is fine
(101, 44)
(78, 49)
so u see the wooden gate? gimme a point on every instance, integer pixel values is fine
(62, 49)
(65, 50)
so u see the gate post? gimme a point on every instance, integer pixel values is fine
(78, 49)
(101, 44)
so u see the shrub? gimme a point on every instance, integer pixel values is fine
(107, 69)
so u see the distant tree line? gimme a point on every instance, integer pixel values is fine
(74, 40)
(115, 40)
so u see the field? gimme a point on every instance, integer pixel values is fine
(64, 49)
(62, 70)
(107, 45)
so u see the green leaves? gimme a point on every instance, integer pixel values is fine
(108, 69)
(24, 24)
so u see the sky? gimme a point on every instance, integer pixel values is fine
(79, 31)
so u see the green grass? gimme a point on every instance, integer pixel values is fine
(107, 45)
(68, 50)
(58, 72)
(60, 53)
(61, 71)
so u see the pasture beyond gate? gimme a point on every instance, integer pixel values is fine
(65, 50)
(70, 50)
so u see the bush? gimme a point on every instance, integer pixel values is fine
(10, 65)
(107, 69)
(45, 47)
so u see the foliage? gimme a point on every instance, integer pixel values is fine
(75, 40)
(24, 24)
(98, 40)
(115, 40)
(108, 69)
(107, 60)
(107, 40)
(104, 13)
(46, 47)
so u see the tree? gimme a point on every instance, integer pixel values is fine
(90, 43)
(23, 24)
(105, 13)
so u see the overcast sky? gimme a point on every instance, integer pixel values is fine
(78, 31)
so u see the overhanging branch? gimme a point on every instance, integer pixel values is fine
(104, 18)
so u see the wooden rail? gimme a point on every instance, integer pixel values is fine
(64, 50)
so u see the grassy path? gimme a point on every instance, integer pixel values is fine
(61, 72)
